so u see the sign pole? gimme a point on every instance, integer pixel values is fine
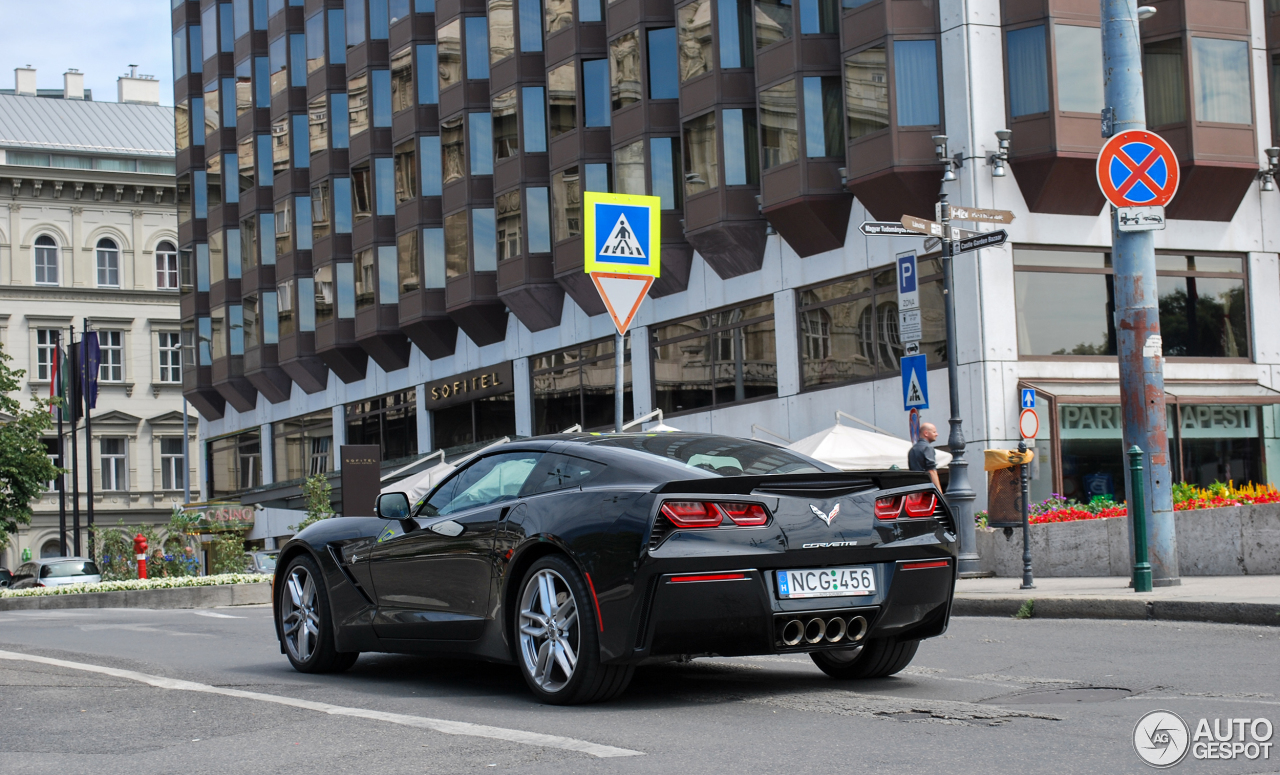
(1137, 317)
(618, 383)
(960, 494)
(1025, 490)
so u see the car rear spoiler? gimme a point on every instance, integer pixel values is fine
(819, 485)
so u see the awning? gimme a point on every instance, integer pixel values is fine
(1206, 391)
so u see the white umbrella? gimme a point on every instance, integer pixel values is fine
(850, 449)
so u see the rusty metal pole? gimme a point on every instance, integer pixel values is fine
(1137, 314)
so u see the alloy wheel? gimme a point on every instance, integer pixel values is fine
(299, 619)
(549, 634)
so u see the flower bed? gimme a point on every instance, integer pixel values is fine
(1186, 497)
(164, 583)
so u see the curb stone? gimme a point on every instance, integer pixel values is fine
(1120, 608)
(180, 597)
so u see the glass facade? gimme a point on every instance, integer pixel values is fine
(715, 359)
(389, 422)
(303, 446)
(577, 387)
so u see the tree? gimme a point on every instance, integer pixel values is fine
(25, 469)
(318, 496)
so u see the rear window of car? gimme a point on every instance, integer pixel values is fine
(722, 456)
(62, 570)
(267, 561)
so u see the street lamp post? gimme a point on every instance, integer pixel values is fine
(960, 494)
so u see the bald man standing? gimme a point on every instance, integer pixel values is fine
(921, 457)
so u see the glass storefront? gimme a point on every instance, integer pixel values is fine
(483, 419)
(235, 463)
(715, 359)
(303, 446)
(390, 422)
(576, 387)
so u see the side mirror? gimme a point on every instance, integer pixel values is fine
(392, 505)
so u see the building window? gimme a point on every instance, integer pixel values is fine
(108, 264)
(449, 51)
(1028, 71)
(849, 328)
(778, 136)
(596, 98)
(1078, 51)
(502, 35)
(915, 82)
(533, 112)
(715, 359)
(428, 81)
(701, 166)
(402, 97)
(111, 367)
(303, 446)
(474, 422)
(822, 106)
(694, 32)
(235, 463)
(741, 148)
(628, 164)
(1164, 82)
(112, 461)
(358, 105)
(166, 266)
(477, 31)
(171, 464)
(170, 357)
(507, 208)
(506, 142)
(664, 74)
(481, 139)
(734, 27)
(452, 150)
(278, 62)
(1065, 304)
(530, 25)
(46, 254)
(1221, 72)
(773, 21)
(556, 15)
(664, 166)
(576, 387)
(45, 353)
(389, 422)
(562, 95)
(624, 69)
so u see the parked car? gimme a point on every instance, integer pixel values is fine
(578, 557)
(54, 572)
(260, 562)
(6, 576)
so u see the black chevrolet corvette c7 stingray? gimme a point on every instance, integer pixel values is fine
(579, 556)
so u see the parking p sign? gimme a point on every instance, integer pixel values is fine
(910, 328)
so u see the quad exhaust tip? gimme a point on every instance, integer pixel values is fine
(818, 630)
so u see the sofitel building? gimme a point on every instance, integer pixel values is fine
(381, 231)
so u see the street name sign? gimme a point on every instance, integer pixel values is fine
(885, 229)
(922, 226)
(910, 327)
(621, 239)
(1137, 168)
(989, 239)
(915, 382)
(1140, 218)
(976, 214)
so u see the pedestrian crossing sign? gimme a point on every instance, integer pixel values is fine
(621, 233)
(915, 382)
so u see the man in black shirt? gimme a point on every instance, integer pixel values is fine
(921, 457)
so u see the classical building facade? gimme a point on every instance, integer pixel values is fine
(379, 207)
(88, 235)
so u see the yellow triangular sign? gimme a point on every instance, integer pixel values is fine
(622, 294)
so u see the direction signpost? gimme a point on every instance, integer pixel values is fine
(985, 216)
(986, 240)
(621, 239)
(1028, 426)
(885, 229)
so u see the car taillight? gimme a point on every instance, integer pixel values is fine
(920, 504)
(746, 514)
(888, 508)
(692, 513)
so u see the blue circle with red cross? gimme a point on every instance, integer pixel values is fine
(1137, 168)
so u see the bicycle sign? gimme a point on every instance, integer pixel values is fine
(1137, 168)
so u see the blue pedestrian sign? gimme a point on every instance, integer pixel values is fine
(915, 382)
(622, 233)
(1028, 398)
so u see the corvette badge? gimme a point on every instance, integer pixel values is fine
(824, 516)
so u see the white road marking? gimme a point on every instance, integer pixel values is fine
(1197, 698)
(216, 615)
(444, 726)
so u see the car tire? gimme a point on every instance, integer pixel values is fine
(542, 652)
(304, 621)
(875, 659)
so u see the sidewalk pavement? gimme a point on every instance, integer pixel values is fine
(1228, 599)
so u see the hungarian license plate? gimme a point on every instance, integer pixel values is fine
(827, 582)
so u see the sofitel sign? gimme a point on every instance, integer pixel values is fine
(461, 388)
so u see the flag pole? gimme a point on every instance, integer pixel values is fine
(88, 434)
(73, 401)
(62, 454)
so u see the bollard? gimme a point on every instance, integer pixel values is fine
(1137, 509)
(140, 550)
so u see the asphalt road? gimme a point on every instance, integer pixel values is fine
(209, 692)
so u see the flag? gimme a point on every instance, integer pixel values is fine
(90, 359)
